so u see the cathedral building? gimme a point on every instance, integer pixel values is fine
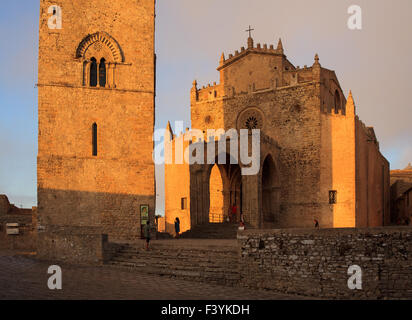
(318, 161)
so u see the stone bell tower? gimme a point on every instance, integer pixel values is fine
(96, 93)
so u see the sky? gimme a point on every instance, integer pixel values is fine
(191, 35)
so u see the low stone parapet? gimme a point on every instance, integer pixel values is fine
(75, 245)
(317, 262)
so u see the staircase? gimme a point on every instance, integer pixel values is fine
(212, 231)
(196, 260)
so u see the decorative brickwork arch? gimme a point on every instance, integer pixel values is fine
(99, 47)
(105, 39)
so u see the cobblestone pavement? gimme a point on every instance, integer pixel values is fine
(23, 277)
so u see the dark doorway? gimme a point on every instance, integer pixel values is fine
(270, 191)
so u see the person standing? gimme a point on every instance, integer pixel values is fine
(234, 212)
(147, 234)
(177, 227)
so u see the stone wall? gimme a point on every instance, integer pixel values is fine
(4, 205)
(315, 262)
(26, 239)
(338, 163)
(78, 245)
(372, 180)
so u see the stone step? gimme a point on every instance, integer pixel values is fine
(197, 267)
(187, 254)
(202, 263)
(211, 264)
(218, 276)
(213, 231)
(197, 261)
(182, 251)
(179, 260)
(174, 260)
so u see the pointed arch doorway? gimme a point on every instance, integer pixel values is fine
(270, 192)
(225, 191)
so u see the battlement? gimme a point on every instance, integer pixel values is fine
(208, 92)
(291, 77)
(263, 69)
(266, 70)
(265, 49)
(189, 136)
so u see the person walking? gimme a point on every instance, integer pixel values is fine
(177, 227)
(147, 234)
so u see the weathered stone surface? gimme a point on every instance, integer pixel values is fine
(287, 263)
(77, 188)
(27, 225)
(79, 245)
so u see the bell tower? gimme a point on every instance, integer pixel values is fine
(96, 109)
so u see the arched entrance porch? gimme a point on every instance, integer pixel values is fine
(225, 191)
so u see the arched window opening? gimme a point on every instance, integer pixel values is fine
(102, 73)
(94, 139)
(93, 73)
(337, 102)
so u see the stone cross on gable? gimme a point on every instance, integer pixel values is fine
(250, 31)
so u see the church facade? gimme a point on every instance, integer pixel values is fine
(96, 98)
(318, 161)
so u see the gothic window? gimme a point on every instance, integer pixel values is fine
(93, 73)
(337, 102)
(94, 139)
(333, 197)
(102, 73)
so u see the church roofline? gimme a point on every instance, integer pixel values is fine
(246, 51)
